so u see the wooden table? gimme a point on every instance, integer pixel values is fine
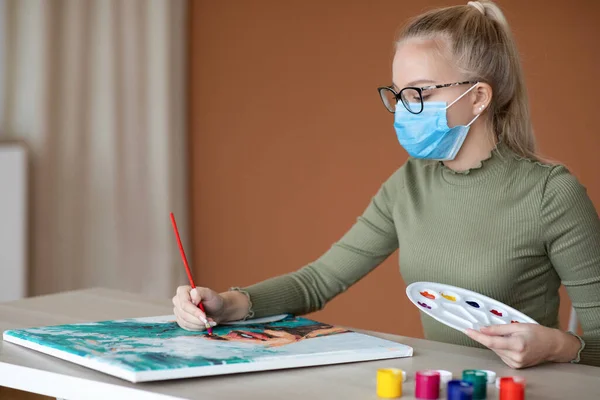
(30, 371)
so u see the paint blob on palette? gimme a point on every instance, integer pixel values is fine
(461, 308)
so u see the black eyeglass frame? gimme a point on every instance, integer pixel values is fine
(420, 90)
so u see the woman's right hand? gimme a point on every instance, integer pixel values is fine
(189, 315)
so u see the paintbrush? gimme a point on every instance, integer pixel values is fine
(189, 272)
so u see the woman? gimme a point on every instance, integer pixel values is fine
(474, 206)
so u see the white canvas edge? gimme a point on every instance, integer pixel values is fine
(84, 361)
(257, 366)
(70, 387)
(193, 372)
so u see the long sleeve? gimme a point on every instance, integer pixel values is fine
(571, 230)
(366, 245)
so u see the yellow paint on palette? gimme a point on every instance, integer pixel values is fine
(448, 297)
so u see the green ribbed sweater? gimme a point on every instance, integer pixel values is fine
(510, 228)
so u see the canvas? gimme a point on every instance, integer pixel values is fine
(148, 349)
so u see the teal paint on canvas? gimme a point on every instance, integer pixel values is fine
(158, 343)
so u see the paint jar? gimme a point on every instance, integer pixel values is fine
(427, 385)
(512, 389)
(479, 381)
(460, 390)
(389, 383)
(445, 377)
(491, 376)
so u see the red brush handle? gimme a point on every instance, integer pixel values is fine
(185, 262)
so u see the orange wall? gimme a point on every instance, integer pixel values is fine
(289, 140)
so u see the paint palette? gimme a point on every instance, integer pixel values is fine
(460, 308)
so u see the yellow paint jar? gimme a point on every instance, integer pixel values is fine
(389, 383)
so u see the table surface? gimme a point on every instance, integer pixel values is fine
(32, 371)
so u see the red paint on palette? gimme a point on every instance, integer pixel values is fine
(496, 312)
(428, 295)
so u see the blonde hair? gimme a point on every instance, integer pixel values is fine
(481, 43)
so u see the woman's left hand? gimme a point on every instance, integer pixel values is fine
(524, 345)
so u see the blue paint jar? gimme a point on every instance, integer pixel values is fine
(459, 390)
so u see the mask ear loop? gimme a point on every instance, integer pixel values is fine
(460, 97)
(473, 120)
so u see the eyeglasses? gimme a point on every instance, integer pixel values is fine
(411, 97)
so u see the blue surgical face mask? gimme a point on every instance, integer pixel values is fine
(427, 134)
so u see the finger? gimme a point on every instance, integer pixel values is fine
(502, 329)
(183, 324)
(189, 319)
(183, 294)
(211, 301)
(183, 290)
(196, 298)
(514, 360)
(184, 303)
(492, 342)
(204, 295)
(510, 362)
(176, 302)
(508, 357)
(192, 326)
(505, 355)
(193, 311)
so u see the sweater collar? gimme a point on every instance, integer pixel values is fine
(485, 169)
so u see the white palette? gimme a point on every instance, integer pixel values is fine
(460, 308)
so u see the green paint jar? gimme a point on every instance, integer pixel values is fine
(479, 381)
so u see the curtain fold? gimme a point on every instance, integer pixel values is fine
(96, 88)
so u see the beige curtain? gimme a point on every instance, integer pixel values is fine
(96, 88)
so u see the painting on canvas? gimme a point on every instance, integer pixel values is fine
(144, 349)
